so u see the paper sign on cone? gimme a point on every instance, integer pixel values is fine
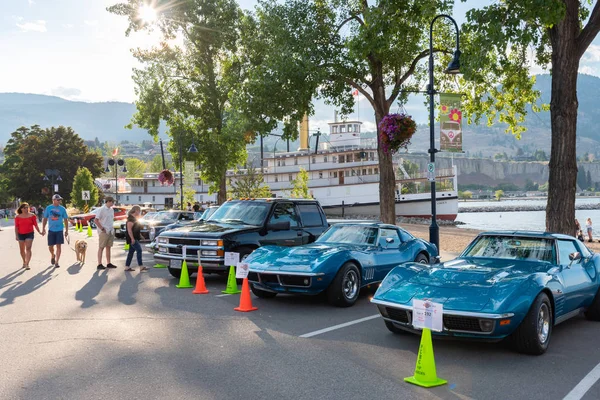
(425, 373)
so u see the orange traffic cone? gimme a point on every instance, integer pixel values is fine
(200, 285)
(245, 300)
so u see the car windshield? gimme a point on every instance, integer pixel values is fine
(149, 216)
(241, 212)
(166, 216)
(352, 234)
(207, 213)
(512, 248)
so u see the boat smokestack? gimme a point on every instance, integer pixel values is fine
(304, 133)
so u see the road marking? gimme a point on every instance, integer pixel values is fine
(333, 328)
(222, 295)
(586, 383)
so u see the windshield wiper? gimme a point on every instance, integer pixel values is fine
(233, 220)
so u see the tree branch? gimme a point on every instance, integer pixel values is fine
(589, 32)
(350, 18)
(356, 86)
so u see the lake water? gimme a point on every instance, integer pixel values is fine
(520, 220)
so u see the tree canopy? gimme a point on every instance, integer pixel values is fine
(84, 181)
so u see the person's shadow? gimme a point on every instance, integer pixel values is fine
(129, 288)
(8, 279)
(27, 287)
(91, 289)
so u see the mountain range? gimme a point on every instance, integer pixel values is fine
(107, 121)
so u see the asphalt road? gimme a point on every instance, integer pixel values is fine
(78, 333)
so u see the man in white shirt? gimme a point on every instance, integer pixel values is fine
(105, 217)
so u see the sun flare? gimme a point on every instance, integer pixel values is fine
(147, 13)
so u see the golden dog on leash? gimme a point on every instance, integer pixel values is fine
(80, 250)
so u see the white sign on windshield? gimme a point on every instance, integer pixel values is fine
(427, 314)
(231, 258)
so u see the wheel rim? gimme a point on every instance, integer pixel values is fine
(543, 324)
(350, 284)
(422, 260)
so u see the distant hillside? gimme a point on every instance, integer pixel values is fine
(103, 120)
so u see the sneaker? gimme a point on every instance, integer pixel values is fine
(100, 266)
(109, 265)
(57, 266)
(53, 260)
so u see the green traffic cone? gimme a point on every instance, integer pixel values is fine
(126, 246)
(89, 231)
(184, 278)
(160, 266)
(232, 287)
(425, 373)
(80, 226)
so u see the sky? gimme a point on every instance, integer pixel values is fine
(77, 50)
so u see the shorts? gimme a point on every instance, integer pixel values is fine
(55, 237)
(105, 239)
(25, 236)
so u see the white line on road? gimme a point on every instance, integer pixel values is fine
(333, 328)
(586, 383)
(222, 295)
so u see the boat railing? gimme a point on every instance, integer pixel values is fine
(443, 173)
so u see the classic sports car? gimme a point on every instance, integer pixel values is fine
(84, 219)
(343, 259)
(504, 284)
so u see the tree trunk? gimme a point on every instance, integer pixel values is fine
(387, 178)
(560, 211)
(222, 194)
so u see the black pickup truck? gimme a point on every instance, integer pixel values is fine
(240, 226)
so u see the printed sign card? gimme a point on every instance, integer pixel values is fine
(427, 314)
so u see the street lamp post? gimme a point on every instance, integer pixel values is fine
(52, 173)
(116, 163)
(453, 68)
(192, 149)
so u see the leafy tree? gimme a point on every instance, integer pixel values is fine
(135, 167)
(84, 181)
(530, 185)
(251, 184)
(540, 155)
(301, 49)
(581, 178)
(193, 87)
(30, 151)
(498, 194)
(300, 185)
(498, 80)
(466, 195)
(156, 164)
(188, 196)
(544, 187)
(588, 179)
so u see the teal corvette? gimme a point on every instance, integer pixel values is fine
(504, 284)
(343, 259)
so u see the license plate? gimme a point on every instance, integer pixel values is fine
(175, 264)
(117, 231)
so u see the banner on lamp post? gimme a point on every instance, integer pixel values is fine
(450, 122)
(188, 174)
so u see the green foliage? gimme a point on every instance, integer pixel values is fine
(466, 195)
(249, 185)
(544, 187)
(540, 155)
(135, 167)
(188, 196)
(30, 151)
(84, 181)
(531, 186)
(300, 185)
(498, 194)
(156, 164)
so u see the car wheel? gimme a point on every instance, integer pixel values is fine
(422, 259)
(92, 224)
(176, 273)
(593, 311)
(393, 328)
(533, 335)
(344, 290)
(263, 294)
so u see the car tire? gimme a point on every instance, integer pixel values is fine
(92, 224)
(393, 328)
(176, 273)
(533, 334)
(421, 259)
(593, 311)
(344, 290)
(263, 294)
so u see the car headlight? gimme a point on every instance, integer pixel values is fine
(209, 252)
(212, 243)
(162, 240)
(163, 249)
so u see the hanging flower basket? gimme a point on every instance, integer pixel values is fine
(166, 177)
(395, 131)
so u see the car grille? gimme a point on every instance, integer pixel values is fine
(398, 315)
(253, 276)
(458, 323)
(177, 250)
(185, 241)
(284, 280)
(293, 280)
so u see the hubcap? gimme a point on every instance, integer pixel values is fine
(543, 325)
(350, 284)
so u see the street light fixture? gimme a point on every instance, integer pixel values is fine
(116, 163)
(453, 68)
(53, 173)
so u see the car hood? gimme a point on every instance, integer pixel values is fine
(295, 259)
(206, 229)
(465, 284)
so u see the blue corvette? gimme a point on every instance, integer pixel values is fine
(342, 260)
(504, 284)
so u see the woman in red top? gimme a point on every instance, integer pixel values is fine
(24, 224)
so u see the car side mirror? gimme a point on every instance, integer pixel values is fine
(279, 226)
(576, 256)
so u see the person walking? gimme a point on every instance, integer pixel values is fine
(40, 213)
(25, 223)
(105, 217)
(588, 227)
(55, 215)
(133, 238)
